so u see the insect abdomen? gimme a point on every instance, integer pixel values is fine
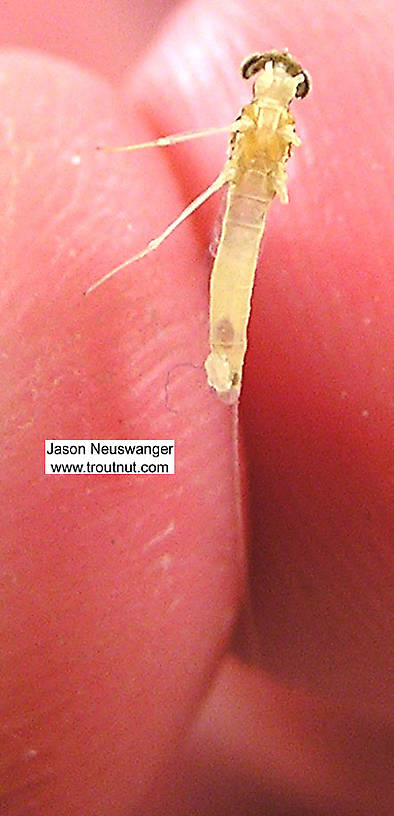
(232, 281)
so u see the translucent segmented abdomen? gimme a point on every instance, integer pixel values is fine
(232, 281)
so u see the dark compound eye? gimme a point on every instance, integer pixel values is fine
(304, 87)
(256, 62)
(251, 65)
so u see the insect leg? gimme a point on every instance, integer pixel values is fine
(164, 141)
(216, 185)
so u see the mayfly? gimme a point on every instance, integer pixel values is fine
(255, 171)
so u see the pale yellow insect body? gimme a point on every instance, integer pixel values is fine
(255, 172)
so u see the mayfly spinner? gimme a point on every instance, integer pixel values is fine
(255, 171)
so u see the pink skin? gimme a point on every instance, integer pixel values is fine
(119, 596)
